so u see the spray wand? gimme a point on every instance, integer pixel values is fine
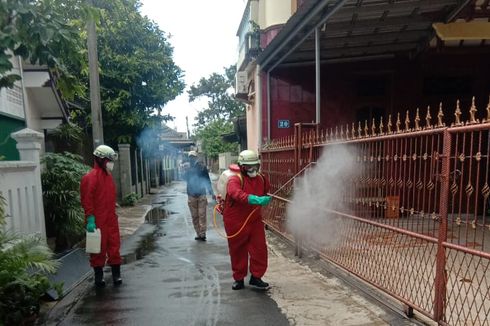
(220, 205)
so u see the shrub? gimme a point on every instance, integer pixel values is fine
(61, 192)
(24, 262)
(130, 199)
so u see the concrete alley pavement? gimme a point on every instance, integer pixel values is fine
(181, 281)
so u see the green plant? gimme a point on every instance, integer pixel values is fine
(68, 137)
(130, 199)
(24, 262)
(61, 193)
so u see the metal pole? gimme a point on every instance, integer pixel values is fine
(24, 94)
(97, 129)
(268, 106)
(258, 102)
(317, 75)
(142, 168)
(441, 274)
(136, 186)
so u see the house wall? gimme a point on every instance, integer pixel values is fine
(359, 91)
(273, 12)
(9, 125)
(33, 112)
(252, 128)
(12, 116)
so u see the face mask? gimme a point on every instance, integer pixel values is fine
(109, 166)
(252, 174)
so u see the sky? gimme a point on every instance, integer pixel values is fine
(203, 35)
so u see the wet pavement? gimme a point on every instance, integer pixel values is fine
(176, 280)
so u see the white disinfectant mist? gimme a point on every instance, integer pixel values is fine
(326, 186)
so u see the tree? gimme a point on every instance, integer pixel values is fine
(36, 31)
(216, 120)
(137, 73)
(221, 102)
(212, 138)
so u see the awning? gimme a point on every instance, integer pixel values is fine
(357, 28)
(44, 97)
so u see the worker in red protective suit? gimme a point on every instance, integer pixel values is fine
(245, 193)
(98, 196)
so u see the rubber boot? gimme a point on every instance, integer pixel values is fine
(116, 274)
(99, 277)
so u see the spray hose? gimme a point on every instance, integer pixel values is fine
(237, 232)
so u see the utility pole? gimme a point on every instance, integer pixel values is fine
(97, 129)
(187, 124)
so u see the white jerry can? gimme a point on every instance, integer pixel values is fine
(92, 243)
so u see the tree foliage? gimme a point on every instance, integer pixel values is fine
(61, 197)
(37, 31)
(137, 73)
(221, 102)
(212, 138)
(216, 120)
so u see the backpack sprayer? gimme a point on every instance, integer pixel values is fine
(220, 199)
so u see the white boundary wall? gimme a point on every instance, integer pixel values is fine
(20, 185)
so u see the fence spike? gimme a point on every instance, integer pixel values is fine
(427, 118)
(457, 115)
(336, 133)
(347, 132)
(390, 125)
(398, 122)
(330, 135)
(366, 128)
(381, 127)
(473, 111)
(359, 130)
(354, 128)
(373, 128)
(407, 122)
(440, 116)
(417, 120)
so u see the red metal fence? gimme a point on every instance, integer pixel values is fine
(416, 222)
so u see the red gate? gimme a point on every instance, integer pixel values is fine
(415, 219)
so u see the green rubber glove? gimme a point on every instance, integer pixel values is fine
(259, 200)
(91, 223)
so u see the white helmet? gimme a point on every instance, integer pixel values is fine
(104, 151)
(192, 153)
(248, 157)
